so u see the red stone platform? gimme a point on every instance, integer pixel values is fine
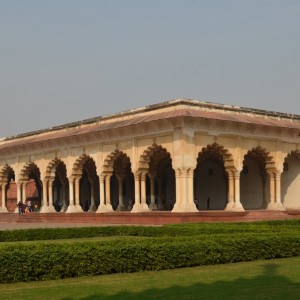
(149, 218)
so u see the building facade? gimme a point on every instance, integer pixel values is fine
(178, 156)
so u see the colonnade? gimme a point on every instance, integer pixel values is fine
(184, 191)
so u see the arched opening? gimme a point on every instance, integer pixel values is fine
(254, 181)
(9, 189)
(85, 172)
(118, 166)
(156, 162)
(290, 181)
(30, 177)
(210, 178)
(57, 175)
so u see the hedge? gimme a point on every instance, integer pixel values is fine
(150, 231)
(33, 261)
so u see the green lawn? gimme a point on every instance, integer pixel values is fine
(272, 279)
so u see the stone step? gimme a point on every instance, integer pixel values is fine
(29, 218)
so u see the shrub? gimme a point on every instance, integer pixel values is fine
(32, 261)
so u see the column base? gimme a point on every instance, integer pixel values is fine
(140, 208)
(74, 209)
(92, 208)
(64, 209)
(230, 206)
(238, 206)
(121, 208)
(153, 206)
(3, 210)
(185, 208)
(46, 209)
(104, 208)
(275, 206)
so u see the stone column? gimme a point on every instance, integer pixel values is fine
(102, 206)
(159, 188)
(152, 205)
(230, 204)
(183, 179)
(71, 207)
(177, 206)
(143, 190)
(64, 198)
(78, 208)
(237, 202)
(50, 193)
(44, 202)
(275, 191)
(107, 193)
(121, 202)
(185, 201)
(19, 195)
(140, 204)
(137, 194)
(92, 206)
(271, 204)
(190, 190)
(278, 191)
(24, 192)
(3, 206)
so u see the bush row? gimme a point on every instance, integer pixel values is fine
(150, 231)
(32, 261)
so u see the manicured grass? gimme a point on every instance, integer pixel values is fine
(272, 279)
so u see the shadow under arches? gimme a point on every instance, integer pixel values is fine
(290, 181)
(117, 169)
(211, 177)
(56, 174)
(85, 171)
(9, 188)
(156, 163)
(254, 179)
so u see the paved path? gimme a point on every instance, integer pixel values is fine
(11, 226)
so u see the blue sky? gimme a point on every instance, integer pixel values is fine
(68, 60)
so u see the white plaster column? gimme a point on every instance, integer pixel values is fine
(190, 190)
(159, 190)
(137, 192)
(140, 192)
(275, 191)
(121, 203)
(230, 203)
(177, 191)
(71, 207)
(109, 207)
(92, 206)
(152, 205)
(24, 191)
(19, 195)
(186, 200)
(278, 191)
(271, 204)
(44, 202)
(143, 191)
(50, 193)
(237, 194)
(102, 206)
(64, 196)
(78, 207)
(3, 205)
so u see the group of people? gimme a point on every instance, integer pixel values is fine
(24, 208)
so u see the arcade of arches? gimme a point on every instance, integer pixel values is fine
(216, 183)
(177, 156)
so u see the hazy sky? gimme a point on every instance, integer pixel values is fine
(63, 61)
